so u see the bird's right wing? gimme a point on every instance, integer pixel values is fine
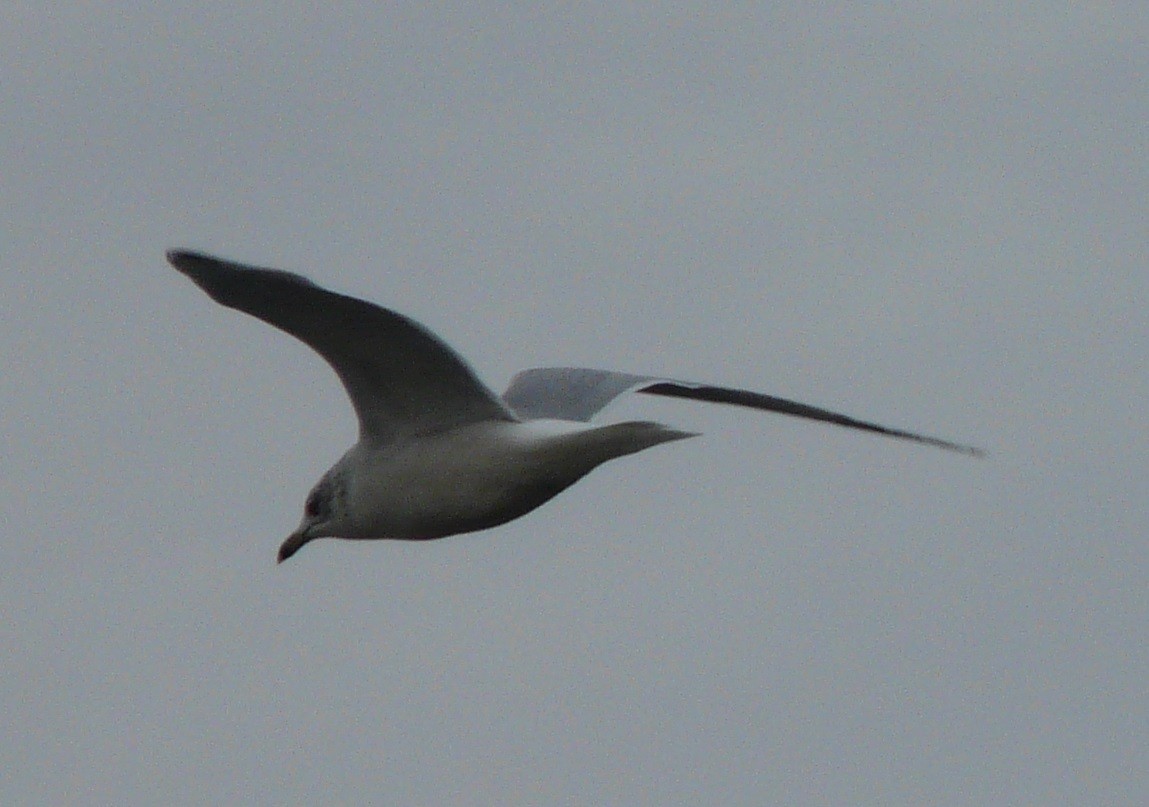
(402, 379)
(575, 393)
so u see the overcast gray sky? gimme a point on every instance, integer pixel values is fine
(932, 215)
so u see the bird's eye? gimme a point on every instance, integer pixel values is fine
(313, 506)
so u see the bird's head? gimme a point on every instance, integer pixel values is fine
(320, 515)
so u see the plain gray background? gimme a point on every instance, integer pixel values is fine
(928, 214)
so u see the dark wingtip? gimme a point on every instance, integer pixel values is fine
(969, 451)
(210, 270)
(770, 403)
(979, 453)
(181, 258)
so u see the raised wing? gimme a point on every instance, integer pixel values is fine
(402, 379)
(573, 393)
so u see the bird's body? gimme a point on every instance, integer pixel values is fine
(438, 452)
(471, 477)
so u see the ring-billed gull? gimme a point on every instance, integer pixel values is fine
(438, 452)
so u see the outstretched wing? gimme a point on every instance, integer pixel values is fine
(402, 379)
(573, 393)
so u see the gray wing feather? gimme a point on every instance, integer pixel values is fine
(402, 379)
(570, 393)
(567, 393)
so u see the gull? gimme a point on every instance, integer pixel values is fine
(438, 452)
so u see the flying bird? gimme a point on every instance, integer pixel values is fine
(438, 452)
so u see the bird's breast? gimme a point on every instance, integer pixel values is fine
(465, 479)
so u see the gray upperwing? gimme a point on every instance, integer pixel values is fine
(578, 394)
(402, 379)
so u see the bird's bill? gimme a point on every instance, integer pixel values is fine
(293, 544)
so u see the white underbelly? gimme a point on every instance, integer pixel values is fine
(467, 479)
